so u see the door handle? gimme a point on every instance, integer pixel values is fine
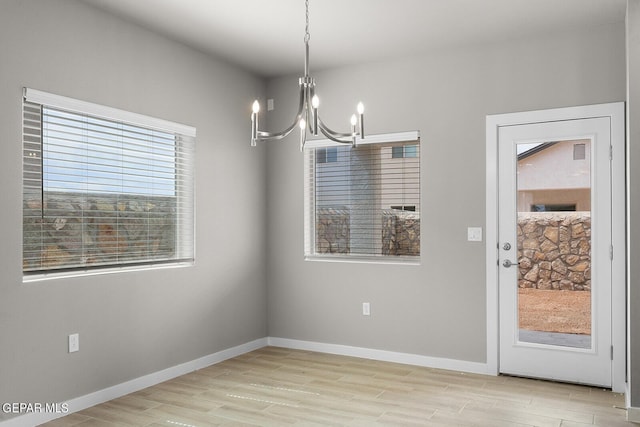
(507, 263)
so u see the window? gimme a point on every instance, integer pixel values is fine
(327, 155)
(365, 204)
(553, 208)
(404, 151)
(411, 208)
(103, 187)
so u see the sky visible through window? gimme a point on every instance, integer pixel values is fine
(88, 154)
(521, 148)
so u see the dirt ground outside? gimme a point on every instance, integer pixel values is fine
(555, 311)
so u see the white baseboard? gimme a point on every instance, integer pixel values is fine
(86, 401)
(383, 355)
(633, 414)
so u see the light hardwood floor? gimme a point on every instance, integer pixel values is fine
(277, 386)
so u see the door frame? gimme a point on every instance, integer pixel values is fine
(614, 111)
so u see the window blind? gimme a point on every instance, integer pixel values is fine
(365, 202)
(101, 191)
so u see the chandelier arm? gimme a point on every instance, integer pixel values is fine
(335, 136)
(274, 136)
(335, 139)
(271, 136)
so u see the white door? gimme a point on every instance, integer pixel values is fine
(554, 250)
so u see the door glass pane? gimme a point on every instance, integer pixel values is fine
(554, 243)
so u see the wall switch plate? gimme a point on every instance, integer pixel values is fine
(474, 234)
(74, 343)
(270, 105)
(366, 309)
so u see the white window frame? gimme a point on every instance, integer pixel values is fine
(309, 204)
(184, 228)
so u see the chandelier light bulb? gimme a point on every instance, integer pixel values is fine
(254, 122)
(354, 121)
(360, 109)
(303, 133)
(315, 103)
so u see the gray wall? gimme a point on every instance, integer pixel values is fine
(633, 179)
(437, 308)
(130, 324)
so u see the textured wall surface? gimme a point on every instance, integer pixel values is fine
(400, 233)
(554, 251)
(333, 231)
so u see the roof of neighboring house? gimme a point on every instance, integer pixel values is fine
(536, 149)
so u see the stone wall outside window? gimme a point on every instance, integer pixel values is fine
(400, 232)
(554, 250)
(100, 229)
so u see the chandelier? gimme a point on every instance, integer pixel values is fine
(308, 118)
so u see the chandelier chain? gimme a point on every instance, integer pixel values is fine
(307, 36)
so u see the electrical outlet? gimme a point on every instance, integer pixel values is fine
(366, 309)
(74, 343)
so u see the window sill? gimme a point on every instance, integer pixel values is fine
(98, 272)
(360, 259)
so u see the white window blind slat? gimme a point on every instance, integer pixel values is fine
(103, 192)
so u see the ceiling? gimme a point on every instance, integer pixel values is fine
(267, 36)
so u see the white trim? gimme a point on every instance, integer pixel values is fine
(52, 275)
(491, 242)
(557, 114)
(386, 259)
(382, 355)
(104, 395)
(633, 414)
(71, 104)
(618, 240)
(380, 138)
(615, 111)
